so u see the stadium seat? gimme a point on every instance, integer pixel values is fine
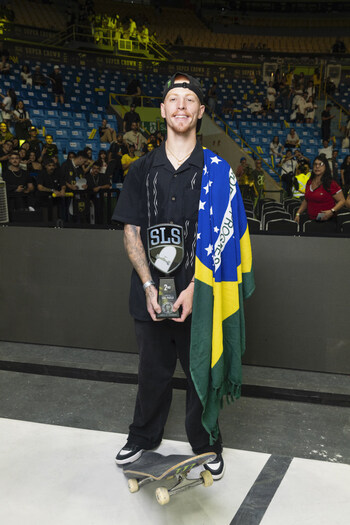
(282, 226)
(76, 145)
(254, 225)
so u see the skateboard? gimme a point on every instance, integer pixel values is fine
(155, 467)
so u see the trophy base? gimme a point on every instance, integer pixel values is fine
(166, 298)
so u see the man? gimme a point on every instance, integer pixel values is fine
(133, 90)
(300, 180)
(334, 164)
(255, 107)
(164, 188)
(97, 181)
(19, 186)
(107, 134)
(50, 180)
(285, 94)
(136, 138)
(130, 117)
(289, 165)
(117, 148)
(114, 170)
(301, 107)
(292, 140)
(50, 183)
(38, 78)
(34, 143)
(326, 122)
(259, 179)
(73, 177)
(301, 158)
(240, 170)
(5, 151)
(57, 84)
(49, 149)
(5, 133)
(72, 171)
(327, 149)
(128, 159)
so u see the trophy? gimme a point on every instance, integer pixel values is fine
(165, 244)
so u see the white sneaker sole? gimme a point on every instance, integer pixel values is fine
(216, 477)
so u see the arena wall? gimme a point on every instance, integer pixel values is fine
(69, 287)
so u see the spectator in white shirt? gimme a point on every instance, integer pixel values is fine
(310, 110)
(255, 107)
(26, 76)
(276, 149)
(300, 108)
(327, 149)
(271, 95)
(292, 140)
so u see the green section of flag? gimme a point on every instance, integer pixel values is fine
(224, 380)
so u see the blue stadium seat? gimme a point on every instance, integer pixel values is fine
(62, 134)
(76, 145)
(80, 124)
(66, 123)
(49, 123)
(78, 134)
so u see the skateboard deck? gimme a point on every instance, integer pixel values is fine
(153, 466)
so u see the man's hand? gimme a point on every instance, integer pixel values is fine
(153, 307)
(20, 188)
(97, 188)
(185, 300)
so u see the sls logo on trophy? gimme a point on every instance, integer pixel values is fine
(165, 244)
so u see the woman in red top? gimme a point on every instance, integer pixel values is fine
(323, 196)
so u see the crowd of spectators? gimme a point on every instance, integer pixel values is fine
(30, 160)
(35, 179)
(108, 30)
(294, 95)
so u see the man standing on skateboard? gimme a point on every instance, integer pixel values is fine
(159, 208)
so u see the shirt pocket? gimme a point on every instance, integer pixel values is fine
(191, 203)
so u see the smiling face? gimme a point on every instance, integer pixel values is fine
(181, 109)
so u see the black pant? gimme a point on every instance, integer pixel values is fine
(160, 343)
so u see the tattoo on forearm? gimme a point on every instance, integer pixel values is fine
(135, 251)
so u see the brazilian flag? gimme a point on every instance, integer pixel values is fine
(223, 278)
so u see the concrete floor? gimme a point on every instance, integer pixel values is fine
(37, 410)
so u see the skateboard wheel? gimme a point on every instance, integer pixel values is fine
(207, 478)
(133, 485)
(162, 495)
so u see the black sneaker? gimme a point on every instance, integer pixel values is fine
(128, 454)
(216, 467)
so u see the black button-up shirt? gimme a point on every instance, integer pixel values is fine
(155, 193)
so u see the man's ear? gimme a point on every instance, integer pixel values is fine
(201, 111)
(162, 112)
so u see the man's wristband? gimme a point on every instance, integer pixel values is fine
(297, 214)
(147, 284)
